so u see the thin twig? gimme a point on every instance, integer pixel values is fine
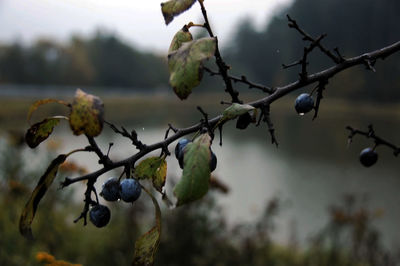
(244, 80)
(223, 67)
(371, 134)
(293, 24)
(132, 136)
(103, 159)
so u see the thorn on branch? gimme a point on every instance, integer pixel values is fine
(205, 122)
(164, 150)
(339, 55)
(267, 119)
(109, 148)
(170, 127)
(88, 201)
(103, 159)
(243, 79)
(260, 118)
(314, 42)
(299, 62)
(321, 87)
(132, 136)
(370, 65)
(65, 183)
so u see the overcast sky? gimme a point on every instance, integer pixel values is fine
(139, 22)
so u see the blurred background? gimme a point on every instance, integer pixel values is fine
(308, 202)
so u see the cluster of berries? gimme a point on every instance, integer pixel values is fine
(128, 190)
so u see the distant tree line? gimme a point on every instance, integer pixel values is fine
(354, 26)
(101, 60)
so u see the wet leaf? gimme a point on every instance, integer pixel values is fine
(196, 171)
(44, 183)
(87, 114)
(38, 103)
(39, 132)
(180, 37)
(153, 168)
(186, 65)
(146, 246)
(236, 110)
(172, 8)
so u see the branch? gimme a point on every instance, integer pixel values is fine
(279, 92)
(104, 159)
(293, 24)
(267, 119)
(243, 79)
(223, 67)
(88, 201)
(371, 134)
(132, 136)
(328, 73)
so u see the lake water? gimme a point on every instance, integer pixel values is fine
(311, 170)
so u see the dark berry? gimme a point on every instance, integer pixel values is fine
(110, 190)
(243, 121)
(368, 157)
(130, 190)
(304, 103)
(180, 146)
(99, 215)
(180, 160)
(213, 162)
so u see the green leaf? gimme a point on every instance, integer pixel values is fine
(38, 103)
(196, 171)
(236, 110)
(87, 114)
(172, 8)
(154, 168)
(186, 65)
(146, 246)
(180, 37)
(45, 182)
(39, 132)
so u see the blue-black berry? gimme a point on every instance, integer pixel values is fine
(213, 162)
(129, 190)
(304, 103)
(99, 215)
(110, 190)
(180, 146)
(368, 157)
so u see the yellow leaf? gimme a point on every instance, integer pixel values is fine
(87, 114)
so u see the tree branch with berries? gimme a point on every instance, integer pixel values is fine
(193, 151)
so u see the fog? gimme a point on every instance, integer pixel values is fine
(140, 23)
